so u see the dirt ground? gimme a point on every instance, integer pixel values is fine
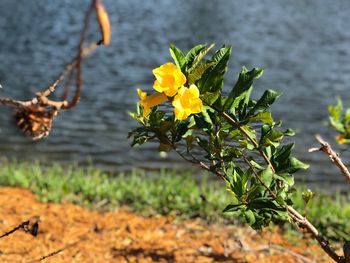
(69, 233)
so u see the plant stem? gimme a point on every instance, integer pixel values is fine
(295, 215)
(333, 156)
(245, 133)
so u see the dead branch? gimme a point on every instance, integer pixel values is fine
(332, 155)
(58, 251)
(30, 226)
(35, 116)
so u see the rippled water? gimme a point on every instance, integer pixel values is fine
(303, 45)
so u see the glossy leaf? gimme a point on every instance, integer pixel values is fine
(193, 53)
(242, 89)
(177, 56)
(197, 73)
(199, 57)
(212, 79)
(266, 100)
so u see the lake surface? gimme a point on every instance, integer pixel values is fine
(304, 47)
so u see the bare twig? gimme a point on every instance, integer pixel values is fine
(201, 164)
(58, 251)
(76, 96)
(333, 156)
(284, 250)
(67, 70)
(29, 226)
(247, 248)
(311, 229)
(52, 87)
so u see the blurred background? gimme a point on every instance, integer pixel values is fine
(304, 47)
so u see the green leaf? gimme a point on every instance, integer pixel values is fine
(335, 116)
(266, 175)
(212, 79)
(202, 122)
(307, 196)
(336, 110)
(289, 132)
(206, 116)
(249, 217)
(282, 154)
(265, 117)
(192, 54)
(204, 144)
(200, 56)
(232, 208)
(266, 100)
(181, 130)
(347, 116)
(240, 181)
(271, 138)
(285, 177)
(177, 56)
(291, 165)
(242, 89)
(210, 97)
(197, 73)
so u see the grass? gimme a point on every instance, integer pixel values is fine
(162, 192)
(149, 193)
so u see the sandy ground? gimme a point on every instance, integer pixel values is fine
(69, 233)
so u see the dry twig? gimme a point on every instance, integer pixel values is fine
(58, 251)
(333, 156)
(30, 226)
(35, 116)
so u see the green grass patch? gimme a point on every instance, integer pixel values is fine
(149, 193)
(162, 192)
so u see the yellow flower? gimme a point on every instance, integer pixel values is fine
(147, 102)
(341, 139)
(169, 79)
(186, 102)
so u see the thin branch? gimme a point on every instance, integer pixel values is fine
(302, 221)
(76, 97)
(258, 177)
(67, 70)
(246, 134)
(284, 250)
(52, 87)
(247, 248)
(311, 229)
(19, 227)
(58, 251)
(195, 161)
(295, 215)
(333, 156)
(30, 226)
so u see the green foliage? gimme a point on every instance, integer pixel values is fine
(234, 137)
(340, 121)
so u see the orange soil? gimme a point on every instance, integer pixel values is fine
(70, 233)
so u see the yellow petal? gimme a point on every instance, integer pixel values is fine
(155, 99)
(187, 102)
(340, 139)
(148, 102)
(168, 79)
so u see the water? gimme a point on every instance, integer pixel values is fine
(303, 45)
